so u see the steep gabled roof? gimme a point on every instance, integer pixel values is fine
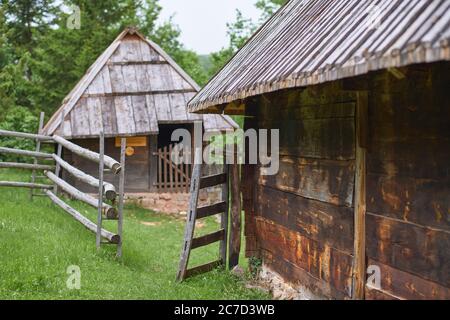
(310, 42)
(131, 87)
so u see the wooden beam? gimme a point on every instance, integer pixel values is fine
(142, 93)
(153, 148)
(112, 238)
(359, 254)
(235, 216)
(38, 149)
(203, 268)
(87, 154)
(14, 184)
(108, 189)
(108, 211)
(211, 210)
(207, 239)
(24, 135)
(213, 180)
(191, 218)
(26, 166)
(101, 168)
(25, 153)
(223, 247)
(123, 145)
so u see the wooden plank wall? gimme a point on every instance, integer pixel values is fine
(137, 178)
(300, 221)
(408, 182)
(134, 90)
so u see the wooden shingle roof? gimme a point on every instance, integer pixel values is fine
(309, 42)
(131, 88)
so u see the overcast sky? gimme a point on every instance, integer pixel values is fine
(203, 22)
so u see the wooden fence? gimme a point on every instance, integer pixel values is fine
(172, 177)
(108, 202)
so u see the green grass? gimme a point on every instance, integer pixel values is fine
(38, 241)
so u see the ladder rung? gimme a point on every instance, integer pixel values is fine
(211, 210)
(208, 239)
(214, 180)
(202, 269)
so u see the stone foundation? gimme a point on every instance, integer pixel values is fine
(172, 203)
(282, 290)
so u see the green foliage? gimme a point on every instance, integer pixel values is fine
(240, 31)
(41, 59)
(22, 120)
(268, 7)
(255, 265)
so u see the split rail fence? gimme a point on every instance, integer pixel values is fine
(108, 201)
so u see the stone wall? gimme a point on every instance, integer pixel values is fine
(172, 203)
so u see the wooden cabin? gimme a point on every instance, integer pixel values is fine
(133, 90)
(364, 118)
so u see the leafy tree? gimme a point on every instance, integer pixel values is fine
(268, 7)
(18, 119)
(240, 31)
(63, 55)
(26, 20)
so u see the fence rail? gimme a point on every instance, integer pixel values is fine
(88, 154)
(106, 191)
(24, 135)
(29, 166)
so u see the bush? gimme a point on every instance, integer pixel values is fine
(22, 120)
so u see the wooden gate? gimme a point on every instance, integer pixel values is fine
(172, 177)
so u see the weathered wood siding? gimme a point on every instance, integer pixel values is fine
(300, 221)
(137, 174)
(408, 182)
(132, 88)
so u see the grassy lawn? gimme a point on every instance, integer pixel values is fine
(38, 241)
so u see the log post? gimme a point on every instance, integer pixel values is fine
(235, 216)
(153, 162)
(123, 145)
(101, 168)
(59, 154)
(359, 254)
(38, 149)
(224, 216)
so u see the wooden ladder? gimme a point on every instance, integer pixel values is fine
(194, 213)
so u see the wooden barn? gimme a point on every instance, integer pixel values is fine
(133, 90)
(360, 93)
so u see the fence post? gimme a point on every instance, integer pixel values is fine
(153, 163)
(100, 188)
(38, 149)
(59, 154)
(235, 214)
(123, 145)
